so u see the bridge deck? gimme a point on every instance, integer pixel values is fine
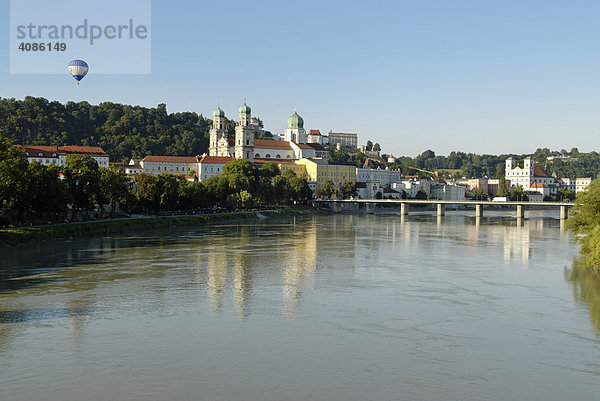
(447, 202)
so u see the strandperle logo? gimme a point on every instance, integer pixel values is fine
(111, 36)
(86, 31)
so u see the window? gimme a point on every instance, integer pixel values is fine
(247, 141)
(278, 156)
(267, 155)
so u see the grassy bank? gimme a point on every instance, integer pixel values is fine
(103, 227)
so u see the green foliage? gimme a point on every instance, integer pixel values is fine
(376, 148)
(13, 164)
(421, 194)
(369, 146)
(123, 131)
(82, 178)
(114, 187)
(518, 194)
(349, 190)
(502, 190)
(327, 191)
(585, 222)
(269, 170)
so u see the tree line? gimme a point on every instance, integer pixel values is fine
(35, 193)
(125, 131)
(585, 222)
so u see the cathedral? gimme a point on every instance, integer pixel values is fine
(244, 146)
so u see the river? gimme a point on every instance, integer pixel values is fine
(342, 307)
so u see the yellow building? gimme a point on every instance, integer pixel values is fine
(317, 172)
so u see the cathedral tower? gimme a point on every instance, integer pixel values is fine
(244, 135)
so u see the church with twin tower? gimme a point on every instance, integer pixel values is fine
(243, 147)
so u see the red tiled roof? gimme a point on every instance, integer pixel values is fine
(302, 145)
(272, 144)
(316, 146)
(96, 150)
(314, 132)
(538, 185)
(35, 150)
(538, 172)
(171, 159)
(215, 159)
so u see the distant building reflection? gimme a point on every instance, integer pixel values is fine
(299, 265)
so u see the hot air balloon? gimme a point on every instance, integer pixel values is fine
(78, 69)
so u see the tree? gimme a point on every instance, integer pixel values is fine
(114, 187)
(270, 170)
(480, 194)
(585, 222)
(13, 165)
(299, 189)
(421, 194)
(327, 190)
(148, 192)
(502, 190)
(240, 174)
(349, 189)
(518, 194)
(281, 187)
(376, 148)
(82, 177)
(40, 195)
(369, 146)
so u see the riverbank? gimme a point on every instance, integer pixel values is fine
(103, 227)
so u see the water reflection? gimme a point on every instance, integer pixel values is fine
(39, 314)
(586, 288)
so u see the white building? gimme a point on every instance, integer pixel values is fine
(528, 174)
(581, 184)
(344, 139)
(210, 166)
(448, 192)
(57, 155)
(412, 187)
(178, 165)
(384, 177)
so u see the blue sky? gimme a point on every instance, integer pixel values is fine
(477, 76)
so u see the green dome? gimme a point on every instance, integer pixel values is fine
(295, 121)
(219, 113)
(245, 109)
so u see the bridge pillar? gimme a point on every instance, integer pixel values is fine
(404, 207)
(520, 211)
(478, 210)
(563, 213)
(441, 209)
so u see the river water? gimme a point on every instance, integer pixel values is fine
(343, 307)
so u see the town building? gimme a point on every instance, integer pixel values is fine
(527, 174)
(343, 139)
(178, 165)
(134, 167)
(384, 177)
(448, 192)
(57, 155)
(317, 171)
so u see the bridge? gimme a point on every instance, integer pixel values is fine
(405, 204)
